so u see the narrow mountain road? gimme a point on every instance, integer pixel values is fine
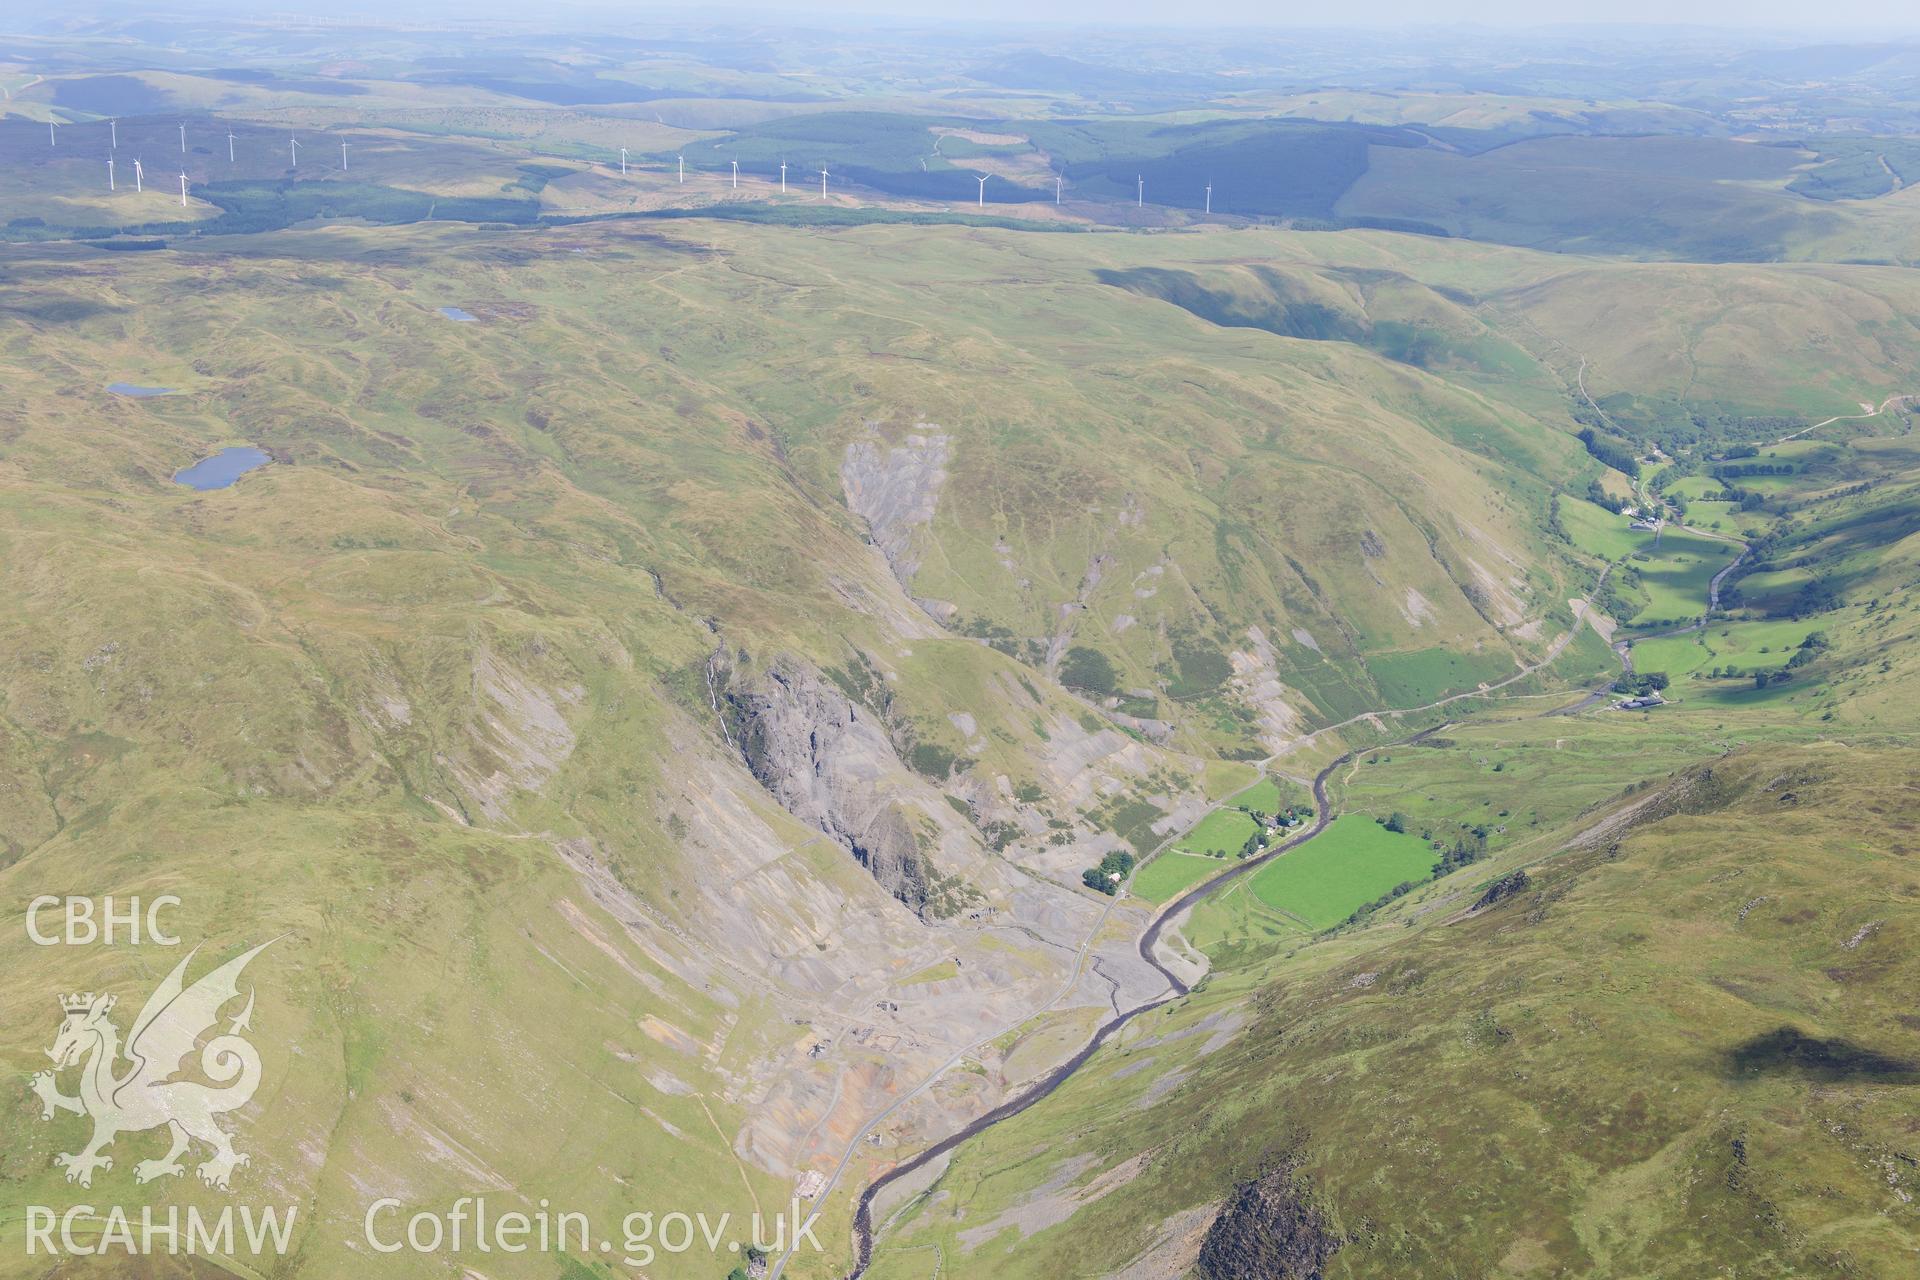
(1147, 944)
(1623, 649)
(1554, 650)
(959, 1055)
(1177, 987)
(1149, 939)
(1713, 595)
(1886, 404)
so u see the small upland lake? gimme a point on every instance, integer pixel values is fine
(223, 468)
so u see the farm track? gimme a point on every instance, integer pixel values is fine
(1149, 940)
(1177, 988)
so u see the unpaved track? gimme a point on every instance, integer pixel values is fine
(1149, 939)
(1886, 404)
(863, 1216)
(1177, 987)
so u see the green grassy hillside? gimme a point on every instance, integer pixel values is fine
(499, 696)
(1681, 1044)
(452, 693)
(1647, 1017)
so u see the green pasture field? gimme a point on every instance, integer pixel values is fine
(1596, 530)
(1349, 865)
(1223, 832)
(1263, 796)
(1747, 645)
(1170, 874)
(1676, 577)
(1697, 488)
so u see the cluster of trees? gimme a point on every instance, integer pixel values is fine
(1467, 848)
(1285, 818)
(1806, 651)
(1618, 454)
(1815, 596)
(1748, 499)
(1555, 525)
(756, 1264)
(1733, 471)
(1810, 648)
(1400, 890)
(1610, 596)
(1641, 683)
(1598, 495)
(1112, 870)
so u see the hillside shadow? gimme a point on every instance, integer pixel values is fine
(1787, 1049)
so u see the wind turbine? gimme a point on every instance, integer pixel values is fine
(50, 141)
(982, 201)
(683, 168)
(293, 149)
(1140, 192)
(1209, 197)
(1056, 190)
(183, 139)
(183, 190)
(343, 155)
(783, 177)
(113, 132)
(138, 175)
(623, 162)
(823, 184)
(229, 146)
(736, 175)
(110, 185)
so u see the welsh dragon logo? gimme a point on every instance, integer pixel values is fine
(150, 1093)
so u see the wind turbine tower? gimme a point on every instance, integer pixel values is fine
(682, 157)
(293, 149)
(183, 139)
(110, 185)
(113, 133)
(623, 162)
(343, 155)
(736, 175)
(1056, 190)
(1209, 197)
(50, 141)
(823, 184)
(783, 177)
(982, 200)
(139, 176)
(1140, 192)
(183, 190)
(229, 146)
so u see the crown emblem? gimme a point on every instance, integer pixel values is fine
(79, 1003)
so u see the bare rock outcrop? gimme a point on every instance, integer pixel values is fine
(896, 489)
(1269, 1229)
(828, 761)
(1514, 882)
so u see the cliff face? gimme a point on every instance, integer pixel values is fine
(827, 761)
(1269, 1229)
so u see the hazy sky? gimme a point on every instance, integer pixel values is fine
(1802, 15)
